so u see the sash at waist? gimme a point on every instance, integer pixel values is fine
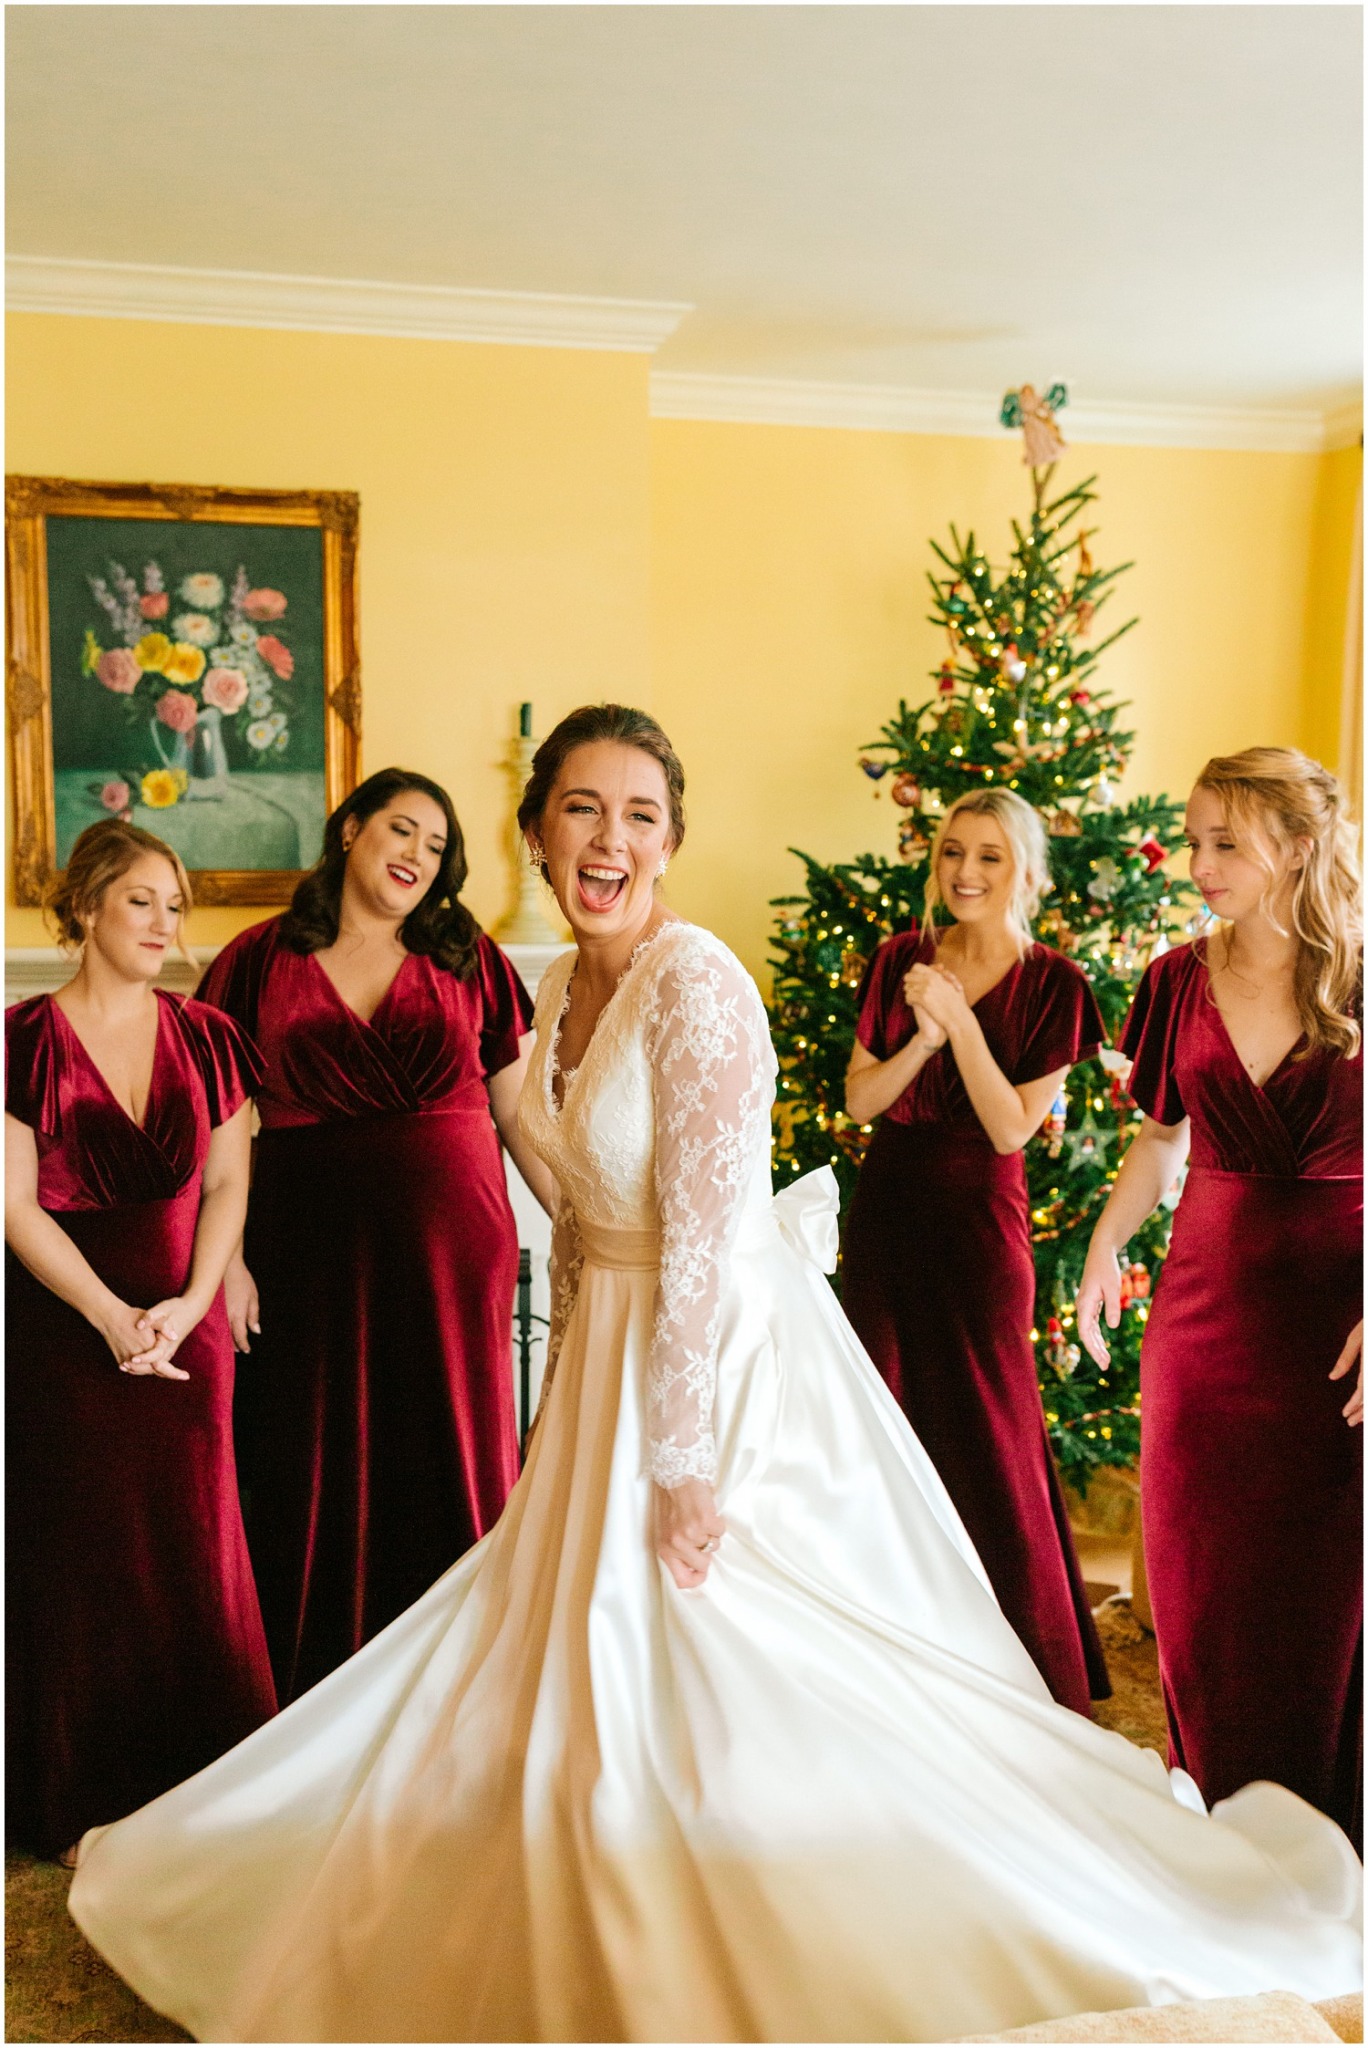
(621, 1251)
(802, 1215)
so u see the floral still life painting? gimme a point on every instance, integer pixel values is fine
(197, 675)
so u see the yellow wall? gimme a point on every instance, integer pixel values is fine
(790, 615)
(528, 531)
(504, 517)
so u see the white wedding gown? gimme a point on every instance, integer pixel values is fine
(824, 1797)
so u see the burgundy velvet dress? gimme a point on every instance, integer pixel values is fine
(134, 1646)
(376, 1417)
(1251, 1480)
(939, 1283)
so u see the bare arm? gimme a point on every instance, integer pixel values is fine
(872, 1086)
(504, 1089)
(42, 1245)
(1148, 1171)
(218, 1228)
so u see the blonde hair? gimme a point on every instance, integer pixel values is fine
(101, 854)
(1279, 802)
(1024, 832)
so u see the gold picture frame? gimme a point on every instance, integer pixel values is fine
(314, 671)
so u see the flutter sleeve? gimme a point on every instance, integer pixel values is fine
(880, 986)
(230, 1065)
(713, 1072)
(1067, 1025)
(232, 983)
(506, 1008)
(1150, 1041)
(31, 1067)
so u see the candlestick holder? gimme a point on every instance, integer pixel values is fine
(527, 923)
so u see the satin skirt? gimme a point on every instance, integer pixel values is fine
(939, 1284)
(1252, 1487)
(824, 1797)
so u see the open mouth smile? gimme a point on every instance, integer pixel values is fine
(601, 887)
(407, 878)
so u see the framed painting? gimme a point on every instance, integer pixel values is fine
(186, 657)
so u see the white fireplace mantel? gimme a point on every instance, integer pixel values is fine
(37, 970)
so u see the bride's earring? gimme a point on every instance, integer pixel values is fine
(664, 863)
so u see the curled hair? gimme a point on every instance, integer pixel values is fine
(440, 926)
(1024, 832)
(587, 727)
(1280, 804)
(101, 854)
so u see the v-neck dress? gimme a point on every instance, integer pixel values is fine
(1251, 1481)
(939, 1282)
(134, 1645)
(376, 1421)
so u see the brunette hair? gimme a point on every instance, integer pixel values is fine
(101, 854)
(1279, 802)
(1024, 832)
(586, 727)
(440, 926)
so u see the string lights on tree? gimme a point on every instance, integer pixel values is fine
(1016, 700)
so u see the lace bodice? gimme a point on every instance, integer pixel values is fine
(664, 1127)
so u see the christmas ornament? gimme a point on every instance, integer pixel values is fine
(1080, 696)
(1135, 1284)
(1013, 667)
(1062, 1355)
(1152, 853)
(1106, 880)
(875, 770)
(1056, 1119)
(1084, 613)
(1063, 824)
(1036, 418)
(1088, 1141)
(905, 791)
(947, 680)
(1103, 794)
(912, 843)
(1085, 560)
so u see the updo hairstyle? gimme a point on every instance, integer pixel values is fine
(101, 854)
(587, 727)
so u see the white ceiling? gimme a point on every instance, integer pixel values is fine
(1159, 204)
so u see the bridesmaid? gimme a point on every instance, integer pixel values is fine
(963, 1042)
(376, 1290)
(135, 1652)
(1247, 1046)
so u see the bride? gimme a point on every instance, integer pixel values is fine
(719, 1735)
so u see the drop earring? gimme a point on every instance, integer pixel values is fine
(660, 871)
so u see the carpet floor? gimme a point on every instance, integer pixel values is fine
(58, 1989)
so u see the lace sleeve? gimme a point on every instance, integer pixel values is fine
(712, 1066)
(567, 1260)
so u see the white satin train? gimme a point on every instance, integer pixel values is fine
(823, 1797)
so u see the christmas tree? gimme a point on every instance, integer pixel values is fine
(1016, 702)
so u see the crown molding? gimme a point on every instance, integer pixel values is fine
(901, 409)
(251, 298)
(1344, 426)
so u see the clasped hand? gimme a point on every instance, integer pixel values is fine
(146, 1340)
(688, 1530)
(937, 1000)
